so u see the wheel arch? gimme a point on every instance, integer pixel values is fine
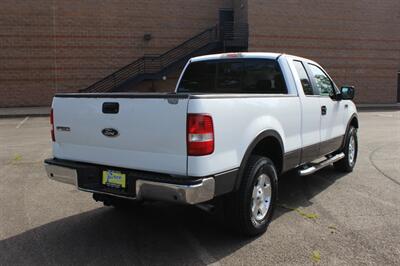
(353, 121)
(268, 138)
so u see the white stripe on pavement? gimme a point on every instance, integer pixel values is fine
(22, 122)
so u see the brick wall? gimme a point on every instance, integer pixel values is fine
(66, 45)
(357, 41)
(240, 10)
(59, 45)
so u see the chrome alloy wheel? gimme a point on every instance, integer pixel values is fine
(261, 199)
(352, 150)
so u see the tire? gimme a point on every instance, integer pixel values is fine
(350, 151)
(250, 209)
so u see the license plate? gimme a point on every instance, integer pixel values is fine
(114, 179)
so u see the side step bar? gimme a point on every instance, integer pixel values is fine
(314, 168)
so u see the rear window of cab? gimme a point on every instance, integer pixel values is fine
(233, 76)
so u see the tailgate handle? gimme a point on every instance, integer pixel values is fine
(110, 108)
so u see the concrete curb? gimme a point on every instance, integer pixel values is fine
(24, 111)
(378, 107)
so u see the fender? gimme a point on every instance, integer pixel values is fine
(250, 148)
(347, 129)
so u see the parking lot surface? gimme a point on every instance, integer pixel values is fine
(327, 218)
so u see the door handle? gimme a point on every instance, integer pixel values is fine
(323, 110)
(110, 108)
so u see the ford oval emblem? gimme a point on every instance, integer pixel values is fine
(110, 132)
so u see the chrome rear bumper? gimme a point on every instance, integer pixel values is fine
(62, 174)
(180, 193)
(190, 194)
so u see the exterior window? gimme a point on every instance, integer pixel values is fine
(305, 81)
(261, 76)
(199, 77)
(229, 77)
(324, 84)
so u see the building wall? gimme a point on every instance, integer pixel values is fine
(49, 46)
(358, 41)
(240, 10)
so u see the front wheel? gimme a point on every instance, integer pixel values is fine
(350, 151)
(250, 208)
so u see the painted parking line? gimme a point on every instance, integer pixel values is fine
(385, 115)
(22, 122)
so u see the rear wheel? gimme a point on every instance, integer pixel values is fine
(350, 151)
(250, 208)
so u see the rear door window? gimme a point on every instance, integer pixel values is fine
(304, 79)
(262, 76)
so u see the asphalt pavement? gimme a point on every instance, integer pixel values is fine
(328, 218)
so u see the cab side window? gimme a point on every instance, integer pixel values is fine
(305, 81)
(324, 84)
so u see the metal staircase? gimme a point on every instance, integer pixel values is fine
(227, 37)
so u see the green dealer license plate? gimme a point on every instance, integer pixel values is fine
(114, 179)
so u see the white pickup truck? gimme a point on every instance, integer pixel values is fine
(234, 124)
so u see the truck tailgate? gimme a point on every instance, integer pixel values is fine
(151, 131)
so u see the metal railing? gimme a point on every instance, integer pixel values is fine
(229, 34)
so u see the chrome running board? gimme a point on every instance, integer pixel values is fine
(314, 168)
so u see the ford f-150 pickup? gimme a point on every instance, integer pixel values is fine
(234, 124)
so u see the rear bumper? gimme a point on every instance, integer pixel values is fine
(140, 184)
(62, 174)
(190, 194)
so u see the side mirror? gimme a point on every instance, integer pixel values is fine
(347, 92)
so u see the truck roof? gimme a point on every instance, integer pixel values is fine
(236, 55)
(244, 55)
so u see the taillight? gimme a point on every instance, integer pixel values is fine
(200, 135)
(53, 138)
